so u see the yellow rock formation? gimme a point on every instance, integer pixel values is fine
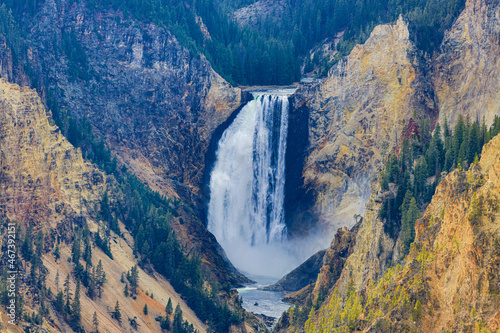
(356, 115)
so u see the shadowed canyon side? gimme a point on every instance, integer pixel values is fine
(46, 184)
(355, 117)
(145, 93)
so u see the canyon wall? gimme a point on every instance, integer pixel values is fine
(155, 103)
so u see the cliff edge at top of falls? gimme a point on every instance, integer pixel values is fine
(354, 118)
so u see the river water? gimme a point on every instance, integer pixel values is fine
(268, 303)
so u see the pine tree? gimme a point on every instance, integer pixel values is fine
(87, 255)
(169, 308)
(134, 279)
(462, 154)
(67, 293)
(76, 250)
(406, 157)
(484, 133)
(495, 128)
(421, 173)
(425, 133)
(446, 134)
(410, 214)
(59, 302)
(165, 323)
(33, 275)
(117, 314)
(177, 324)
(458, 137)
(474, 148)
(145, 309)
(100, 277)
(417, 311)
(105, 210)
(39, 244)
(95, 322)
(57, 253)
(449, 159)
(27, 246)
(76, 307)
(125, 290)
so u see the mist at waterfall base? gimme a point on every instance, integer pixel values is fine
(246, 207)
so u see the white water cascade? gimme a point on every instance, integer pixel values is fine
(245, 211)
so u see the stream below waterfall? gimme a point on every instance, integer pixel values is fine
(257, 301)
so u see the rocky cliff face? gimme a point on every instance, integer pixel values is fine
(301, 276)
(355, 117)
(43, 177)
(154, 102)
(259, 12)
(467, 71)
(373, 251)
(456, 246)
(46, 183)
(464, 81)
(327, 271)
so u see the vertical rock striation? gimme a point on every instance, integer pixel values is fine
(466, 73)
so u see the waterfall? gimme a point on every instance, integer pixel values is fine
(245, 211)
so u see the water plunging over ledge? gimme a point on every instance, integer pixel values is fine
(246, 207)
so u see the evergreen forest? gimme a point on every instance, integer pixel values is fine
(420, 163)
(273, 51)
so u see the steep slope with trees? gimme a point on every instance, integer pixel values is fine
(312, 23)
(54, 197)
(447, 281)
(248, 55)
(383, 285)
